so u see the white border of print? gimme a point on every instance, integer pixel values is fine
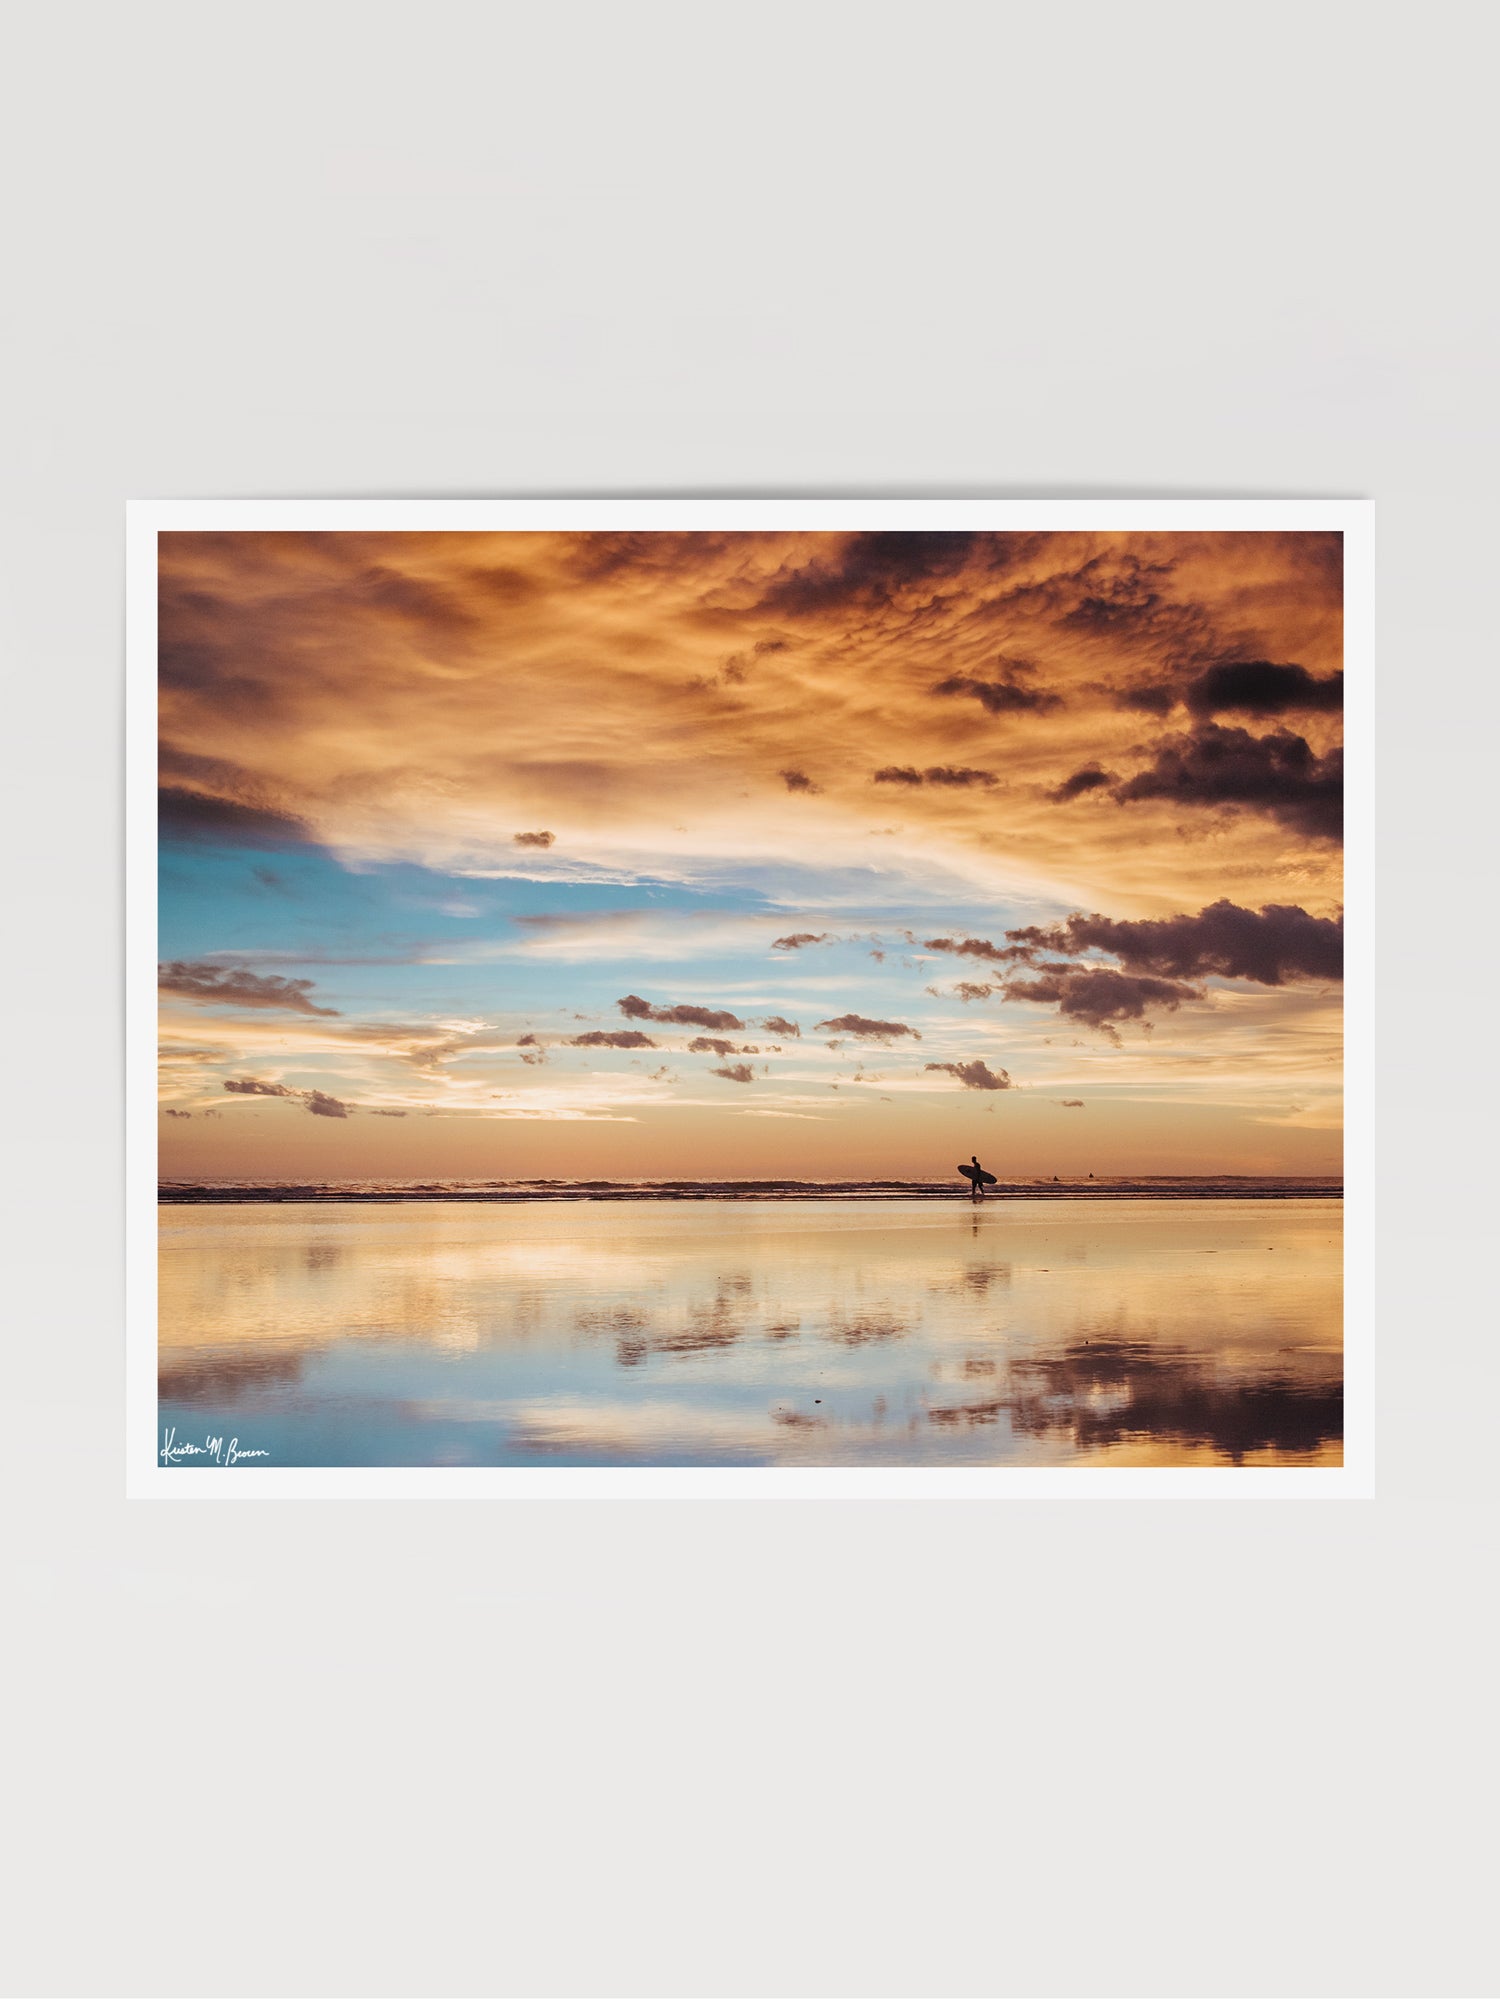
(147, 1477)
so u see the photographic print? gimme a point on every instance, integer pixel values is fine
(779, 989)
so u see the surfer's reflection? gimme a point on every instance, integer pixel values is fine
(977, 1178)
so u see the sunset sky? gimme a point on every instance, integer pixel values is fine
(653, 855)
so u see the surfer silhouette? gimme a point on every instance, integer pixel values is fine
(977, 1178)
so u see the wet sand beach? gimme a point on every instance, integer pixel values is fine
(898, 1329)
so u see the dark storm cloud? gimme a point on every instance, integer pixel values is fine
(716, 1020)
(870, 570)
(169, 1112)
(897, 774)
(1277, 774)
(711, 1044)
(1258, 687)
(776, 1023)
(980, 947)
(1008, 695)
(1163, 960)
(250, 1086)
(226, 985)
(798, 939)
(194, 816)
(388, 1114)
(325, 1106)
(1096, 995)
(1090, 778)
(627, 1037)
(1269, 946)
(868, 1030)
(975, 1075)
(735, 1072)
(1071, 1103)
(534, 839)
(798, 780)
(211, 800)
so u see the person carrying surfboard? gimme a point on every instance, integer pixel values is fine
(977, 1178)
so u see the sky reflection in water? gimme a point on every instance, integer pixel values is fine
(749, 1333)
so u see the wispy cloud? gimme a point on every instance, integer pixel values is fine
(680, 1014)
(864, 1029)
(318, 1102)
(226, 985)
(975, 1075)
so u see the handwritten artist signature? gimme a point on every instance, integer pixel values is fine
(214, 1448)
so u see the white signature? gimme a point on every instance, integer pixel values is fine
(222, 1453)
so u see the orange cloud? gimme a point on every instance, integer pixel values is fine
(1132, 738)
(417, 696)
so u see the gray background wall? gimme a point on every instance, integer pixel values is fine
(327, 249)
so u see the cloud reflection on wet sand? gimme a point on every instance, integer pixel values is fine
(1032, 1333)
(1097, 1395)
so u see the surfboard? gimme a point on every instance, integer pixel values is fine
(978, 1175)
